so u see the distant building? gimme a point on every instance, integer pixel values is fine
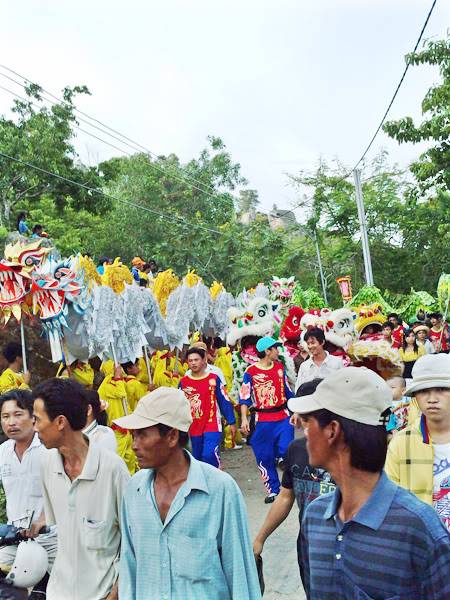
(281, 219)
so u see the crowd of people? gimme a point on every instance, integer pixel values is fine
(124, 481)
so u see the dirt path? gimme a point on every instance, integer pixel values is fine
(280, 553)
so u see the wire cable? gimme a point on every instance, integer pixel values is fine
(396, 90)
(179, 220)
(136, 146)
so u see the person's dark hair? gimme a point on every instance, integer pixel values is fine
(218, 343)
(388, 324)
(64, 397)
(11, 351)
(183, 436)
(152, 262)
(198, 351)
(367, 443)
(102, 260)
(435, 315)
(260, 354)
(308, 388)
(23, 399)
(405, 335)
(394, 315)
(126, 365)
(317, 333)
(37, 228)
(94, 400)
(20, 217)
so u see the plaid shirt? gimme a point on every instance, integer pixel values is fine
(409, 461)
(394, 547)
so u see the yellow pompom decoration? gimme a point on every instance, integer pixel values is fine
(163, 286)
(191, 278)
(116, 276)
(215, 289)
(91, 275)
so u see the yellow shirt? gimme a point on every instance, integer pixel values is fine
(135, 390)
(143, 374)
(223, 361)
(163, 368)
(9, 380)
(410, 355)
(84, 374)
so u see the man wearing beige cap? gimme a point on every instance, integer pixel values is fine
(419, 456)
(184, 527)
(369, 538)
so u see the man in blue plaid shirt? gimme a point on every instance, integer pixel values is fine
(369, 538)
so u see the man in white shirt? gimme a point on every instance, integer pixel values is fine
(95, 430)
(321, 363)
(21, 457)
(83, 485)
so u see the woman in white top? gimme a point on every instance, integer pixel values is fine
(96, 429)
(421, 332)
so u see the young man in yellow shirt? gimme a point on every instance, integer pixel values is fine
(12, 377)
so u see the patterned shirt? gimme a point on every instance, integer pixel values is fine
(394, 547)
(269, 389)
(202, 551)
(209, 401)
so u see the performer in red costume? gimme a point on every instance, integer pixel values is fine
(209, 401)
(265, 387)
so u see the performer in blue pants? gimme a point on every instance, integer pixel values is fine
(265, 389)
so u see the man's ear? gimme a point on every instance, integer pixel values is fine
(333, 431)
(61, 422)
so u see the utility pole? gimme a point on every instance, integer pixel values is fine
(363, 228)
(319, 261)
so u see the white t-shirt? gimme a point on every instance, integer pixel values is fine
(22, 479)
(441, 482)
(309, 370)
(101, 435)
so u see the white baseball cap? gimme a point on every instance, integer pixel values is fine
(166, 405)
(429, 371)
(355, 393)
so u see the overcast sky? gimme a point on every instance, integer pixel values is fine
(283, 82)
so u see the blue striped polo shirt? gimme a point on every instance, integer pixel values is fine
(394, 548)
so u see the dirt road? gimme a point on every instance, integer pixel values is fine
(280, 554)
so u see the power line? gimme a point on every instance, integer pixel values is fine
(397, 88)
(109, 196)
(136, 146)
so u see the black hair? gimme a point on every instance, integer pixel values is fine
(261, 354)
(11, 351)
(183, 436)
(102, 260)
(388, 324)
(126, 365)
(152, 262)
(196, 350)
(317, 333)
(23, 399)
(367, 443)
(435, 315)
(64, 397)
(99, 414)
(395, 315)
(405, 335)
(37, 228)
(309, 387)
(218, 343)
(20, 217)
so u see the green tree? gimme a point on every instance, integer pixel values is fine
(432, 169)
(42, 136)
